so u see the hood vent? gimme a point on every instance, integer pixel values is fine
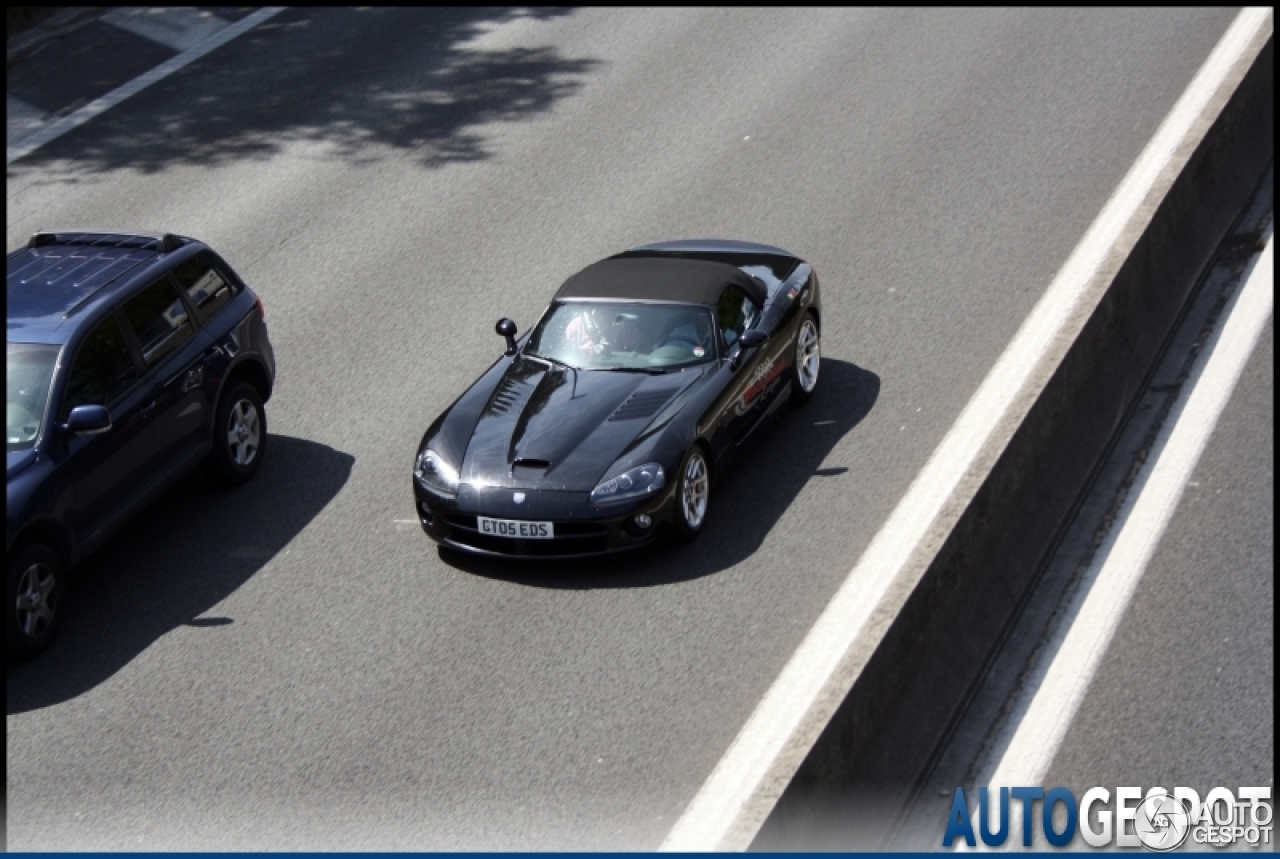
(507, 395)
(643, 404)
(529, 469)
(531, 463)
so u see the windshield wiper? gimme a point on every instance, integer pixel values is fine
(652, 371)
(554, 361)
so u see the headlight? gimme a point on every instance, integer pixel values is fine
(635, 483)
(436, 474)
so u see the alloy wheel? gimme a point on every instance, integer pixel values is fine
(808, 355)
(243, 432)
(37, 600)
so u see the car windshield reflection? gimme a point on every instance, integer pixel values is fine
(28, 371)
(591, 335)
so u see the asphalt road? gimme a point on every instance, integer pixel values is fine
(288, 666)
(1186, 694)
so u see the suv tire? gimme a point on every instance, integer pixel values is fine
(34, 595)
(239, 434)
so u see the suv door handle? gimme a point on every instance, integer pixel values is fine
(148, 411)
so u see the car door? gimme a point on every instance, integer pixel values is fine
(166, 338)
(108, 474)
(757, 372)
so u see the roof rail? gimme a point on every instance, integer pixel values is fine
(164, 242)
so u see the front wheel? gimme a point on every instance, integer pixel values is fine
(239, 434)
(36, 588)
(808, 360)
(693, 494)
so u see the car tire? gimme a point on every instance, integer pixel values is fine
(693, 493)
(807, 361)
(239, 435)
(35, 596)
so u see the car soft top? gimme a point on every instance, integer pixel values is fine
(657, 279)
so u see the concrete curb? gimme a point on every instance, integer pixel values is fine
(937, 648)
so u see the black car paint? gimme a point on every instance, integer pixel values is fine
(72, 492)
(526, 408)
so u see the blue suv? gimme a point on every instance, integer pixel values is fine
(131, 358)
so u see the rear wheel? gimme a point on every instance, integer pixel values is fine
(239, 434)
(35, 592)
(693, 493)
(808, 360)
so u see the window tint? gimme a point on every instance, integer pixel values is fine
(159, 319)
(103, 368)
(734, 314)
(205, 286)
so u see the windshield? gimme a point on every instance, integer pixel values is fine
(28, 371)
(611, 335)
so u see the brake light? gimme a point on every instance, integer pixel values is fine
(262, 311)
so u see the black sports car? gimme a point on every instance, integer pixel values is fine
(606, 425)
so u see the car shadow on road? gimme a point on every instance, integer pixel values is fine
(183, 555)
(746, 503)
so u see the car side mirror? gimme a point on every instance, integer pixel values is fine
(506, 328)
(88, 420)
(749, 340)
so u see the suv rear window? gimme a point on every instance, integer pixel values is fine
(208, 290)
(159, 318)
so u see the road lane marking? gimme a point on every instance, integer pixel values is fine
(56, 129)
(742, 789)
(176, 27)
(1045, 707)
(21, 116)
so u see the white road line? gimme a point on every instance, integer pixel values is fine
(20, 116)
(1049, 700)
(56, 129)
(736, 798)
(178, 27)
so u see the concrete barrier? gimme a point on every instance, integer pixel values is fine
(936, 650)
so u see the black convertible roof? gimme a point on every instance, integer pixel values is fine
(658, 279)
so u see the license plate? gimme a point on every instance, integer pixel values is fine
(517, 529)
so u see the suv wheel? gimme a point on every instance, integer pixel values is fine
(36, 588)
(239, 434)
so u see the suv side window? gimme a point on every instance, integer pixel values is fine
(103, 368)
(204, 285)
(159, 319)
(735, 313)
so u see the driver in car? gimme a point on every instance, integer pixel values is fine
(585, 332)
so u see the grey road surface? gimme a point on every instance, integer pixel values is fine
(1186, 694)
(293, 665)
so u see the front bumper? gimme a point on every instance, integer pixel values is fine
(582, 529)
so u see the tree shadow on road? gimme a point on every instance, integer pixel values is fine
(747, 502)
(322, 76)
(185, 553)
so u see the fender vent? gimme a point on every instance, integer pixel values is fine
(643, 404)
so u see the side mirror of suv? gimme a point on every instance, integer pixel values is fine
(88, 420)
